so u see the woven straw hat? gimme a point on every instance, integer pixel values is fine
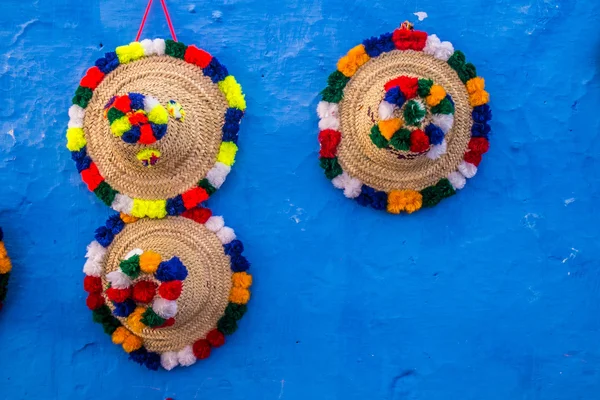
(180, 91)
(167, 290)
(397, 127)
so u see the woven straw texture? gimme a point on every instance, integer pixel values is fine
(189, 148)
(205, 290)
(382, 169)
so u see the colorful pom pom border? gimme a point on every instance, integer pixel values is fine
(201, 348)
(330, 136)
(5, 268)
(157, 208)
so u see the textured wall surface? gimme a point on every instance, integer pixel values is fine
(493, 294)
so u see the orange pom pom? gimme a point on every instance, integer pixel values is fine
(242, 280)
(239, 295)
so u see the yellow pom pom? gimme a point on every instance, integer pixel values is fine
(158, 115)
(404, 200)
(475, 84)
(389, 126)
(131, 52)
(120, 334)
(132, 343)
(349, 64)
(436, 94)
(5, 265)
(241, 280)
(233, 92)
(479, 98)
(134, 320)
(149, 208)
(128, 219)
(239, 295)
(119, 126)
(149, 261)
(227, 153)
(75, 139)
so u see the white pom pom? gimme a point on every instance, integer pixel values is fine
(134, 252)
(159, 47)
(215, 223)
(341, 180)
(76, 115)
(433, 41)
(329, 123)
(353, 188)
(457, 180)
(186, 356)
(443, 121)
(92, 268)
(386, 110)
(467, 169)
(148, 46)
(226, 235)
(444, 51)
(95, 251)
(165, 308)
(217, 174)
(149, 103)
(437, 151)
(118, 280)
(326, 109)
(122, 203)
(169, 360)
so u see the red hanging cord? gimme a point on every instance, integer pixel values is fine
(167, 16)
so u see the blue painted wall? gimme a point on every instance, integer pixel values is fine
(493, 294)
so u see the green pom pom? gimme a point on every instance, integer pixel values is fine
(205, 184)
(82, 96)
(114, 114)
(110, 325)
(337, 80)
(226, 325)
(331, 166)
(334, 92)
(105, 192)
(151, 318)
(432, 195)
(401, 140)
(445, 188)
(377, 138)
(424, 87)
(414, 113)
(457, 60)
(470, 71)
(131, 266)
(236, 311)
(175, 49)
(444, 107)
(101, 314)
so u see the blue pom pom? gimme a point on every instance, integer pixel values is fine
(375, 46)
(175, 205)
(132, 135)
(79, 155)
(379, 200)
(482, 113)
(239, 263)
(230, 132)
(136, 101)
(104, 236)
(160, 130)
(152, 361)
(171, 270)
(480, 130)
(115, 224)
(124, 309)
(395, 96)
(234, 247)
(215, 71)
(233, 115)
(435, 134)
(139, 356)
(83, 164)
(1, 235)
(108, 63)
(366, 195)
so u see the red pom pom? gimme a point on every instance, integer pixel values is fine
(147, 135)
(168, 322)
(138, 118)
(329, 140)
(197, 56)
(193, 197)
(201, 349)
(92, 177)
(118, 295)
(198, 214)
(92, 78)
(408, 86)
(215, 338)
(143, 291)
(473, 158)
(94, 301)
(418, 40)
(123, 104)
(479, 145)
(170, 290)
(419, 141)
(92, 284)
(401, 38)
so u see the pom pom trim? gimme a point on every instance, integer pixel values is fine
(5, 268)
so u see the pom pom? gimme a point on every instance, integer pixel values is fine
(353, 188)
(175, 49)
(388, 127)
(186, 356)
(235, 247)
(457, 180)
(92, 267)
(134, 320)
(242, 280)
(198, 214)
(329, 140)
(326, 110)
(227, 152)
(334, 91)
(92, 284)
(215, 338)
(122, 203)
(479, 145)
(124, 309)
(473, 158)
(215, 70)
(169, 359)
(437, 151)
(118, 280)
(331, 166)
(386, 110)
(225, 235)
(375, 46)
(149, 261)
(152, 361)
(132, 343)
(193, 197)
(144, 291)
(139, 356)
(436, 94)
(440, 50)
(115, 224)
(401, 140)
(239, 263)
(104, 236)
(349, 64)
(482, 114)
(235, 311)
(406, 39)
(233, 92)
(217, 174)
(214, 223)
(226, 324)
(94, 301)
(419, 141)
(95, 252)
(329, 123)
(170, 290)
(443, 121)
(174, 206)
(159, 46)
(151, 318)
(414, 112)
(196, 56)
(239, 295)
(407, 85)
(404, 200)
(480, 130)
(164, 308)
(467, 170)
(118, 295)
(131, 266)
(435, 134)
(171, 270)
(91, 177)
(201, 349)
(120, 334)
(395, 96)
